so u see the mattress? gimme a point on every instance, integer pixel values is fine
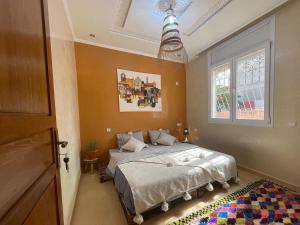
(161, 173)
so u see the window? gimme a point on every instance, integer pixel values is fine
(221, 91)
(241, 72)
(239, 88)
(250, 86)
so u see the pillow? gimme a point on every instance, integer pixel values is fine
(123, 138)
(138, 135)
(134, 145)
(164, 130)
(154, 135)
(166, 139)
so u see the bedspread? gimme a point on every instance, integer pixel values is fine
(162, 173)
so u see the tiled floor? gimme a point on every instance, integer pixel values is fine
(98, 204)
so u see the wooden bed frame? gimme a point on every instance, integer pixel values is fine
(129, 216)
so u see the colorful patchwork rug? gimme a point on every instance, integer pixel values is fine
(261, 202)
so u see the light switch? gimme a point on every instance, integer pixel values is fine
(108, 130)
(177, 83)
(195, 129)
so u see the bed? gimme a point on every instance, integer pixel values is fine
(159, 174)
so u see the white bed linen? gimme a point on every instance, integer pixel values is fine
(118, 157)
(161, 178)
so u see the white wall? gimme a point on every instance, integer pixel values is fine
(66, 101)
(274, 151)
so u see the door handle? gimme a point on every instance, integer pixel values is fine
(61, 144)
(66, 159)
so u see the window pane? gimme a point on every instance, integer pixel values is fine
(221, 92)
(250, 86)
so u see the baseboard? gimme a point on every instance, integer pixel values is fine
(272, 178)
(74, 199)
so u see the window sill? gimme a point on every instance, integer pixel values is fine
(240, 123)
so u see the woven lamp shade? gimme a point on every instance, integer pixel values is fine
(171, 46)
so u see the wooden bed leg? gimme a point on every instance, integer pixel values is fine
(195, 193)
(129, 219)
(200, 192)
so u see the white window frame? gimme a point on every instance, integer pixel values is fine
(268, 95)
(210, 103)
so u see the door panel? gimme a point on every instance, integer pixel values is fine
(23, 80)
(45, 210)
(27, 159)
(29, 175)
(23, 207)
(23, 126)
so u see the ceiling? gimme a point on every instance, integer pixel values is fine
(135, 25)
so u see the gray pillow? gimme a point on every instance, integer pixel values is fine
(123, 138)
(154, 135)
(166, 139)
(134, 145)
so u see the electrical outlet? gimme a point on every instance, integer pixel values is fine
(179, 124)
(108, 130)
(292, 124)
(177, 83)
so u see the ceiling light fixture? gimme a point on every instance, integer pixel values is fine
(171, 46)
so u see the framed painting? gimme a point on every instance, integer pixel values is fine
(139, 92)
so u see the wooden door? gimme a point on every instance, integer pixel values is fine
(29, 176)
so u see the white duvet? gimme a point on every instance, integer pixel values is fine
(162, 177)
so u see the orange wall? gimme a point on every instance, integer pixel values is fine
(98, 96)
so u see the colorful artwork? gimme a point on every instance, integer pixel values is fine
(139, 92)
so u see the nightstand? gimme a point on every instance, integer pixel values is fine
(90, 163)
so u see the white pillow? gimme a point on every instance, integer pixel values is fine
(166, 139)
(122, 138)
(134, 145)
